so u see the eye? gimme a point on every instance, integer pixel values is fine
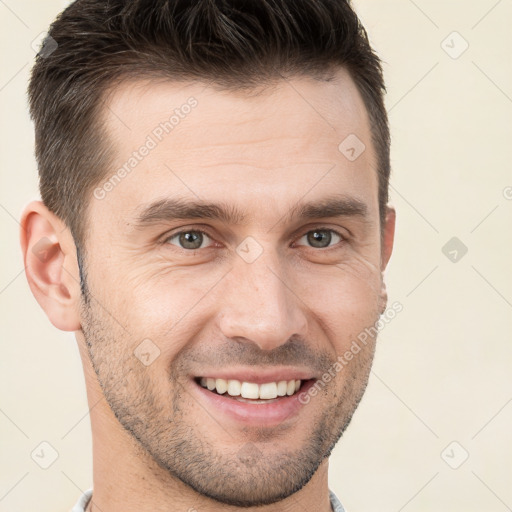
(322, 238)
(191, 240)
(194, 239)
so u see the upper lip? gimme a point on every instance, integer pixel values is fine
(257, 375)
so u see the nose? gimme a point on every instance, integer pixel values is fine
(259, 304)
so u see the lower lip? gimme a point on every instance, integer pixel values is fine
(263, 414)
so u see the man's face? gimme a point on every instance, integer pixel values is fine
(273, 295)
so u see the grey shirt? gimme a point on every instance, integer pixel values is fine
(86, 496)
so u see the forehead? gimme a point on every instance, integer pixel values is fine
(265, 148)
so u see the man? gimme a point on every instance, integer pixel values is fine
(214, 227)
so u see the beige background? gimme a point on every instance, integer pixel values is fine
(442, 370)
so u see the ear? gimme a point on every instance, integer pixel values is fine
(388, 237)
(51, 267)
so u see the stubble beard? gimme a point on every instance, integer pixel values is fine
(246, 477)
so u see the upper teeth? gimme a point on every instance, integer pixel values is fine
(268, 390)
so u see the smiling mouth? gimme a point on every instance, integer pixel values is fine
(251, 392)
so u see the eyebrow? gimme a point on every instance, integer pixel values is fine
(170, 209)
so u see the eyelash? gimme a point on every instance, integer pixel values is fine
(204, 232)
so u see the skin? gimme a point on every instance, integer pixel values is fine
(155, 447)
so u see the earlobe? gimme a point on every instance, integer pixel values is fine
(49, 256)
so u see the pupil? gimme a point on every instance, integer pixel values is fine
(189, 240)
(317, 237)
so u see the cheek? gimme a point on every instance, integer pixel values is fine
(345, 302)
(169, 308)
(349, 289)
(158, 301)
(167, 297)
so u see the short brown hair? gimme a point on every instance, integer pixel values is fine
(233, 44)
